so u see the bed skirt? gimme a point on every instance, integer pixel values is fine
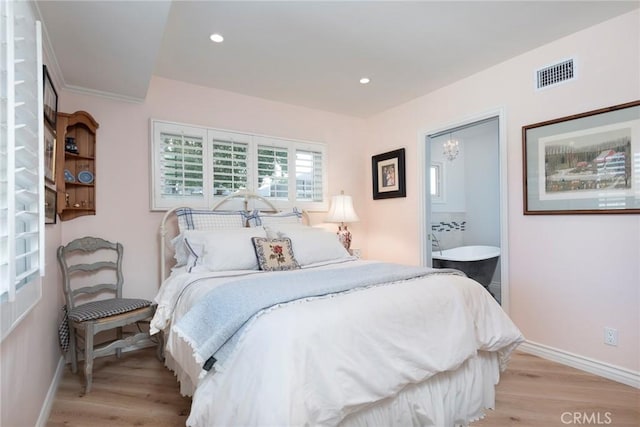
(450, 398)
(187, 387)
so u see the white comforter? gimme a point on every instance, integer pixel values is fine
(318, 361)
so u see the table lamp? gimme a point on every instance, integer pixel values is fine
(342, 211)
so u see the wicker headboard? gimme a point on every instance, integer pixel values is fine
(169, 224)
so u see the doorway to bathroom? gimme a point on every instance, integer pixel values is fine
(464, 200)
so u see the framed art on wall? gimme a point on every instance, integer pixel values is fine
(587, 163)
(49, 153)
(388, 173)
(50, 99)
(50, 199)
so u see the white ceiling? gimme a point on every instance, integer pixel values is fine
(307, 53)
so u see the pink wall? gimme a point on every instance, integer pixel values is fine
(29, 355)
(569, 276)
(122, 176)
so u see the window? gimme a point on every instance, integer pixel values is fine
(309, 175)
(22, 166)
(273, 171)
(230, 156)
(181, 164)
(193, 166)
(436, 179)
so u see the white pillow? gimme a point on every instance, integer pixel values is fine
(312, 245)
(222, 250)
(276, 231)
(292, 217)
(200, 219)
(180, 252)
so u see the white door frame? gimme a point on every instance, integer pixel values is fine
(424, 158)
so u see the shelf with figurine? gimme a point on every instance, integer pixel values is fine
(76, 176)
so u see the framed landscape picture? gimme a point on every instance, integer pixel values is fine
(388, 170)
(587, 163)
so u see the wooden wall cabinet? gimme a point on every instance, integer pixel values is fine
(76, 164)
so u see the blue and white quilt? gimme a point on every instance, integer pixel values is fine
(213, 326)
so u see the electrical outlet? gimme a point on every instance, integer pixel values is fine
(611, 336)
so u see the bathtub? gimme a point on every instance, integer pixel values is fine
(477, 262)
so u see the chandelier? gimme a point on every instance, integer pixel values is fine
(451, 149)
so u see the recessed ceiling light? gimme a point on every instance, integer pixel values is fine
(217, 38)
(365, 80)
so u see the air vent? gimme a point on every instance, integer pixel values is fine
(555, 74)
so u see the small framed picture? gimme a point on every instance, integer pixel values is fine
(50, 199)
(50, 100)
(49, 153)
(583, 164)
(388, 173)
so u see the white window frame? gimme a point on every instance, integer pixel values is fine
(302, 146)
(160, 202)
(225, 136)
(163, 202)
(439, 195)
(22, 68)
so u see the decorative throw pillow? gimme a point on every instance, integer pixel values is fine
(274, 254)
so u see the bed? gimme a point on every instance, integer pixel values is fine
(271, 322)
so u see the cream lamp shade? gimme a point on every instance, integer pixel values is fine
(342, 211)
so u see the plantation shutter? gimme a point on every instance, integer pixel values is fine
(179, 169)
(309, 176)
(22, 166)
(5, 100)
(194, 166)
(230, 162)
(273, 169)
(182, 165)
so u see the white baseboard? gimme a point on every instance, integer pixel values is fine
(606, 370)
(45, 411)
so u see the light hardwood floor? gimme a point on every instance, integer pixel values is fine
(138, 391)
(534, 392)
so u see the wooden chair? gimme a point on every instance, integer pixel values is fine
(105, 314)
